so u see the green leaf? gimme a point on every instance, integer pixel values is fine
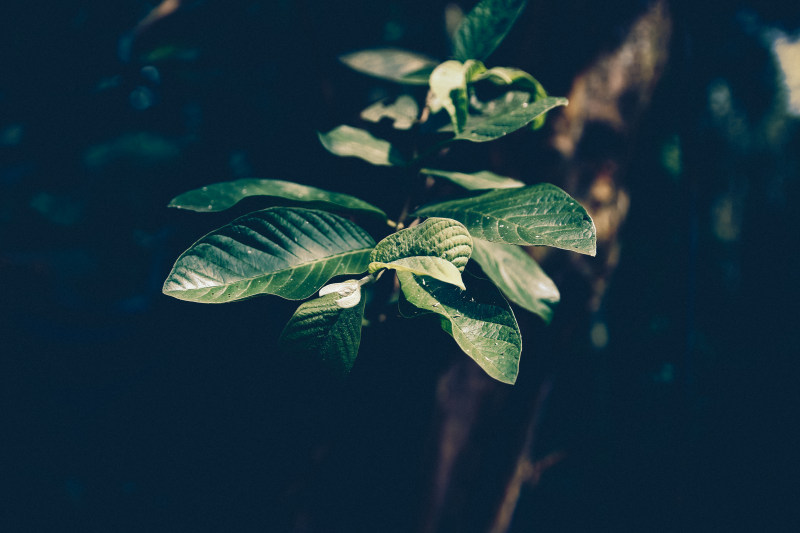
(476, 180)
(436, 237)
(518, 276)
(391, 64)
(347, 141)
(434, 267)
(449, 89)
(538, 215)
(506, 115)
(286, 251)
(221, 196)
(479, 320)
(403, 112)
(518, 79)
(322, 329)
(485, 27)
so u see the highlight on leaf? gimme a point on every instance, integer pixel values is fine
(285, 251)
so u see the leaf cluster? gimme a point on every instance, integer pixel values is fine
(309, 236)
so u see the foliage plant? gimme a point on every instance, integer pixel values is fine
(310, 236)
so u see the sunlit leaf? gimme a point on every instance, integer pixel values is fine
(221, 196)
(436, 237)
(347, 141)
(479, 320)
(286, 251)
(449, 83)
(434, 267)
(392, 64)
(403, 112)
(321, 329)
(476, 180)
(485, 27)
(538, 215)
(518, 276)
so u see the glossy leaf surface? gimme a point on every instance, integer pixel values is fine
(402, 112)
(518, 79)
(518, 276)
(436, 237)
(538, 215)
(476, 180)
(286, 251)
(323, 330)
(393, 64)
(347, 141)
(506, 115)
(485, 27)
(479, 320)
(221, 196)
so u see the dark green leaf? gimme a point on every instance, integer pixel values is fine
(538, 215)
(289, 252)
(519, 79)
(518, 276)
(485, 27)
(436, 237)
(221, 196)
(506, 115)
(392, 64)
(346, 141)
(476, 180)
(479, 320)
(403, 112)
(324, 330)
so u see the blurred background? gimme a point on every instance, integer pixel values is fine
(663, 397)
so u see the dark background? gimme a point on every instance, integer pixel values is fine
(123, 409)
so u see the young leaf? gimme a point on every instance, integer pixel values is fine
(436, 237)
(485, 27)
(479, 320)
(322, 329)
(538, 215)
(449, 88)
(346, 141)
(475, 181)
(392, 64)
(518, 276)
(286, 251)
(506, 115)
(403, 112)
(434, 267)
(221, 196)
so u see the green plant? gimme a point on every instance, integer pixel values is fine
(293, 250)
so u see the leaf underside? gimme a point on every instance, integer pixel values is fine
(285, 251)
(479, 319)
(434, 267)
(221, 196)
(536, 215)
